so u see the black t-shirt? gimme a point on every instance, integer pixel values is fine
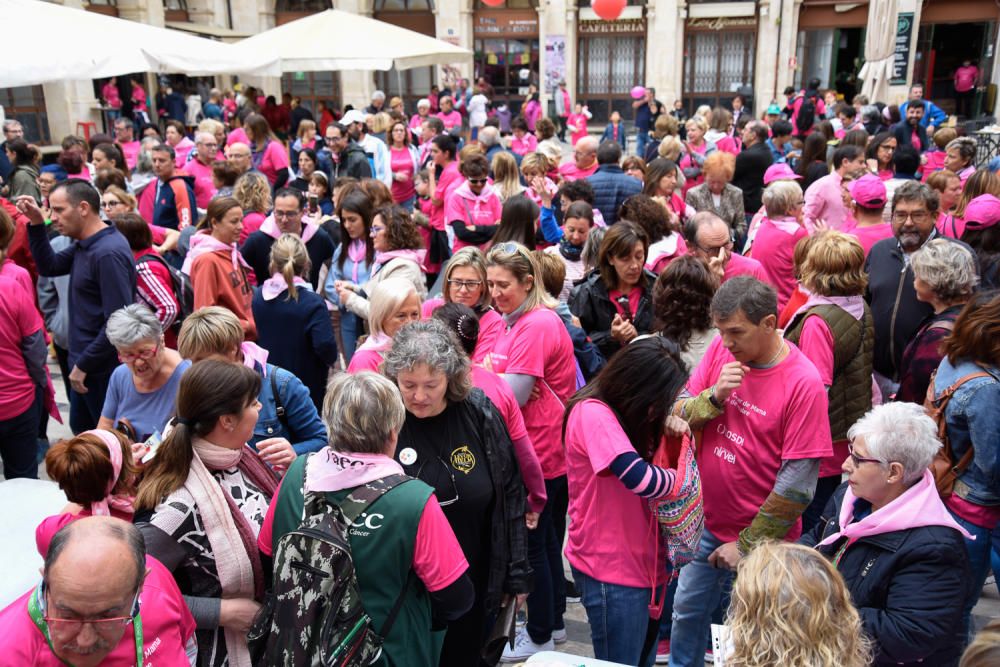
(449, 456)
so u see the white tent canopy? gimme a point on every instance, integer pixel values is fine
(336, 40)
(46, 42)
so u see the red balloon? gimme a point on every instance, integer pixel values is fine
(609, 10)
(493, 3)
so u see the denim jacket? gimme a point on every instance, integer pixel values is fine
(347, 273)
(972, 418)
(307, 432)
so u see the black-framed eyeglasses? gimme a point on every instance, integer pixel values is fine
(468, 285)
(858, 460)
(918, 217)
(287, 215)
(451, 475)
(714, 251)
(478, 181)
(74, 626)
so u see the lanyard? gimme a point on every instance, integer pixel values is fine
(35, 612)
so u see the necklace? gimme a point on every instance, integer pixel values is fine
(770, 362)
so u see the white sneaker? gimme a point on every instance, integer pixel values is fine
(524, 648)
(559, 636)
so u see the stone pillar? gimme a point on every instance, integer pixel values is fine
(777, 29)
(665, 48)
(572, 45)
(453, 24)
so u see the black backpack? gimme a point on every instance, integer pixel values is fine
(806, 117)
(314, 614)
(181, 284)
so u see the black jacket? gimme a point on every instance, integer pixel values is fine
(256, 251)
(909, 587)
(904, 135)
(353, 163)
(590, 302)
(751, 164)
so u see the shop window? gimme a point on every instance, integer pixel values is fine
(27, 105)
(175, 10)
(716, 65)
(510, 66)
(410, 85)
(403, 6)
(306, 6)
(312, 87)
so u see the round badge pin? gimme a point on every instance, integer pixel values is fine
(408, 456)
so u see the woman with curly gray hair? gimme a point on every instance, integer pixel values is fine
(454, 440)
(944, 276)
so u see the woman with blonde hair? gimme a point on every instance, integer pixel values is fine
(306, 138)
(293, 323)
(984, 651)
(253, 192)
(949, 188)
(394, 303)
(267, 153)
(696, 149)
(790, 607)
(506, 176)
(835, 329)
(671, 148)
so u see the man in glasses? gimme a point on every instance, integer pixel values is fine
(584, 161)
(239, 156)
(125, 137)
(287, 219)
(199, 167)
(174, 206)
(711, 239)
(101, 601)
(342, 156)
(891, 293)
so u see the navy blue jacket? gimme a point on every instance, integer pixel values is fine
(302, 426)
(101, 280)
(298, 335)
(256, 251)
(909, 587)
(904, 135)
(612, 186)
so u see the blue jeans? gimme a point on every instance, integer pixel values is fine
(409, 203)
(698, 593)
(618, 618)
(351, 328)
(641, 139)
(547, 601)
(980, 553)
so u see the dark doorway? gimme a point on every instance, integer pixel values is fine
(941, 49)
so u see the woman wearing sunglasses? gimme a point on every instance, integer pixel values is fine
(143, 389)
(454, 440)
(473, 210)
(534, 355)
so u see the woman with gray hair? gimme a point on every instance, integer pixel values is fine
(142, 390)
(902, 554)
(944, 276)
(779, 231)
(363, 415)
(454, 439)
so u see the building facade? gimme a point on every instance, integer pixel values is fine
(696, 51)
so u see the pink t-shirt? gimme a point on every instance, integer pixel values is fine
(778, 413)
(774, 248)
(870, 235)
(437, 557)
(18, 274)
(448, 182)
(130, 151)
(49, 526)
(181, 151)
(579, 121)
(738, 265)
(539, 345)
(18, 319)
(491, 327)
(451, 119)
(365, 360)
(274, 160)
(401, 162)
(204, 187)
(570, 172)
(524, 145)
(612, 533)
(251, 223)
(167, 628)
(238, 136)
(965, 78)
(816, 342)
(481, 210)
(503, 397)
(950, 225)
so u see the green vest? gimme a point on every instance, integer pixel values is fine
(850, 395)
(382, 544)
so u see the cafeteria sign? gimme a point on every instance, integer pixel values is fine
(901, 55)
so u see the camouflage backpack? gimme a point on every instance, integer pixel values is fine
(314, 616)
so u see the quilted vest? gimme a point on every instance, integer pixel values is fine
(853, 351)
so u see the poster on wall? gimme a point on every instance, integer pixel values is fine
(901, 53)
(555, 61)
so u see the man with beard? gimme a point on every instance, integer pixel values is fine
(909, 131)
(891, 292)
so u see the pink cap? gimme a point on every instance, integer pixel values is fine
(869, 191)
(780, 172)
(982, 212)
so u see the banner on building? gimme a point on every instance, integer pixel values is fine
(901, 55)
(555, 61)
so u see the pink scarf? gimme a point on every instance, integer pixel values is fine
(270, 227)
(121, 503)
(203, 243)
(357, 251)
(232, 539)
(786, 224)
(415, 256)
(377, 343)
(854, 305)
(330, 471)
(920, 505)
(254, 354)
(276, 284)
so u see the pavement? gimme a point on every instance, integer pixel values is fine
(577, 629)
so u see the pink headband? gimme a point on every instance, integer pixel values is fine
(115, 452)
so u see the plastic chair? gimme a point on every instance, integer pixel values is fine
(85, 128)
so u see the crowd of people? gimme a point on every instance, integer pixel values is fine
(747, 375)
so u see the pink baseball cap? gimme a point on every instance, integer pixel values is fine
(869, 191)
(780, 172)
(982, 212)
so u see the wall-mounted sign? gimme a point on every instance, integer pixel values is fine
(611, 27)
(901, 56)
(723, 23)
(505, 23)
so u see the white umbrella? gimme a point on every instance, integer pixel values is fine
(335, 40)
(46, 42)
(880, 44)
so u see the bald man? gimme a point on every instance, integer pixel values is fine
(101, 601)
(238, 154)
(584, 161)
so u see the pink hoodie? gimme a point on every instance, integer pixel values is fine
(479, 210)
(203, 243)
